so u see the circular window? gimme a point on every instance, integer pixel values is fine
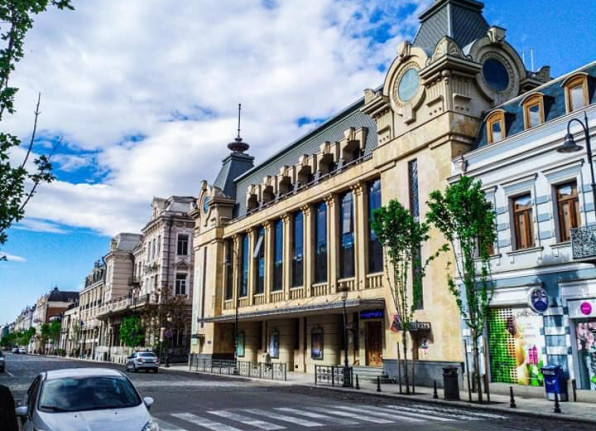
(408, 85)
(495, 74)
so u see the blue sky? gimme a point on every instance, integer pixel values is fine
(143, 95)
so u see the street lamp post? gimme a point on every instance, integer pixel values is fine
(569, 146)
(343, 289)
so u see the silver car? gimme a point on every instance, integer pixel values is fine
(91, 399)
(142, 361)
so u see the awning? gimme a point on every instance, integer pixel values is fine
(351, 304)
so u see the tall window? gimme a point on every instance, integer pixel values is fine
(533, 111)
(415, 211)
(158, 244)
(230, 268)
(523, 221)
(278, 256)
(180, 284)
(375, 249)
(346, 250)
(298, 250)
(576, 92)
(321, 243)
(259, 259)
(567, 209)
(245, 256)
(182, 245)
(495, 124)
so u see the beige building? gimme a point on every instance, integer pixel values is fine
(275, 243)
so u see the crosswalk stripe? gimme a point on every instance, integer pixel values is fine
(459, 412)
(353, 415)
(246, 420)
(204, 422)
(407, 417)
(313, 415)
(284, 418)
(166, 426)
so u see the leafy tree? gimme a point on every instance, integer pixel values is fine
(131, 331)
(467, 221)
(402, 237)
(45, 335)
(16, 19)
(54, 331)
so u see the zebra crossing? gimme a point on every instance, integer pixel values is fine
(343, 415)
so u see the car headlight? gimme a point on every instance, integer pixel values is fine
(151, 426)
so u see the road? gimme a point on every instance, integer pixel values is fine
(192, 402)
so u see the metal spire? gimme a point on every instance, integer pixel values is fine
(238, 146)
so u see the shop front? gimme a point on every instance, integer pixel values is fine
(582, 314)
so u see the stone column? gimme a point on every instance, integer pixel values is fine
(332, 242)
(287, 253)
(251, 267)
(360, 236)
(268, 244)
(308, 258)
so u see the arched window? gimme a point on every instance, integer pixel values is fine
(230, 269)
(576, 92)
(278, 256)
(495, 127)
(533, 110)
(375, 249)
(321, 243)
(346, 249)
(298, 250)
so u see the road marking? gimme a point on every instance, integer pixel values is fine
(9, 373)
(284, 418)
(246, 420)
(406, 415)
(204, 422)
(166, 426)
(457, 412)
(353, 415)
(314, 415)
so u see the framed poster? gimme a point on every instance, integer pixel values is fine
(240, 345)
(316, 343)
(274, 344)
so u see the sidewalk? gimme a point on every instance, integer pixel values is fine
(574, 411)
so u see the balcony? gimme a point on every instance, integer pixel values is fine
(134, 281)
(583, 242)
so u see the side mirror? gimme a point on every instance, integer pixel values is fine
(21, 411)
(148, 402)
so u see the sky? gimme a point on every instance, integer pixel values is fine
(143, 96)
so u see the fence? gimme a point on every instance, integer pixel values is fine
(334, 375)
(261, 370)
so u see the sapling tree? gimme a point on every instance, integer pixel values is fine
(131, 331)
(467, 220)
(402, 237)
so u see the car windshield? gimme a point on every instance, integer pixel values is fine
(147, 355)
(87, 393)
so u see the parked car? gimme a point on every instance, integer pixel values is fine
(91, 399)
(15, 349)
(22, 350)
(142, 361)
(2, 362)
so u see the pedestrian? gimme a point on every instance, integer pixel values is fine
(8, 415)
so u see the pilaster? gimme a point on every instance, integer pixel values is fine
(332, 241)
(360, 235)
(287, 252)
(308, 246)
(268, 244)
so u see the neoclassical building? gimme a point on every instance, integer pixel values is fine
(277, 242)
(544, 307)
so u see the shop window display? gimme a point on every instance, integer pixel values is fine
(516, 346)
(586, 348)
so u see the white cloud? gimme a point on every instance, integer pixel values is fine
(111, 69)
(11, 258)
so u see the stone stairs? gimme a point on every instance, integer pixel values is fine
(370, 374)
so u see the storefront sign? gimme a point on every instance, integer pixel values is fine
(582, 308)
(414, 326)
(538, 300)
(371, 314)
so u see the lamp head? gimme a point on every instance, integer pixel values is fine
(343, 289)
(569, 145)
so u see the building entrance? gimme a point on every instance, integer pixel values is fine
(374, 343)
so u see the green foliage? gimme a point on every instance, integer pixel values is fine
(54, 330)
(131, 331)
(16, 19)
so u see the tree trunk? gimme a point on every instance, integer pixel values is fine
(477, 366)
(404, 339)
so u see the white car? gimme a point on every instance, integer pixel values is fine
(90, 399)
(22, 350)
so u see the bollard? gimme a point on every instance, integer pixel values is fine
(512, 403)
(435, 394)
(557, 406)
(357, 383)
(378, 383)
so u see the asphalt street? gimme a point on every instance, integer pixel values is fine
(192, 402)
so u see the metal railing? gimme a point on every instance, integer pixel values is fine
(261, 370)
(334, 375)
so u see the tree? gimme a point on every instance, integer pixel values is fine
(131, 331)
(45, 336)
(402, 237)
(54, 331)
(16, 19)
(467, 221)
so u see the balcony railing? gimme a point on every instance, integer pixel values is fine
(583, 242)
